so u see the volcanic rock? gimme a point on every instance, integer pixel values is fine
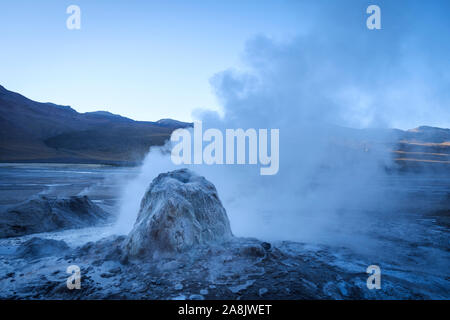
(38, 248)
(45, 214)
(179, 210)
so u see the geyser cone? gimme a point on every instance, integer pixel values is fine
(179, 210)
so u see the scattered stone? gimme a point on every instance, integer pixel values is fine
(342, 288)
(45, 214)
(37, 248)
(262, 291)
(178, 287)
(241, 287)
(171, 265)
(106, 275)
(310, 284)
(123, 259)
(114, 254)
(266, 246)
(228, 258)
(204, 292)
(196, 297)
(252, 251)
(115, 270)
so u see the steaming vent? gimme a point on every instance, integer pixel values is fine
(178, 211)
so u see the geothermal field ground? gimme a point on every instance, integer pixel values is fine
(410, 244)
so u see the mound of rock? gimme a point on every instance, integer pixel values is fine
(45, 214)
(38, 248)
(179, 210)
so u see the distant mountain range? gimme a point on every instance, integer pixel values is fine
(424, 147)
(44, 132)
(31, 131)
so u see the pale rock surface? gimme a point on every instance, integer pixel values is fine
(179, 210)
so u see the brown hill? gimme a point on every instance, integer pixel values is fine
(31, 131)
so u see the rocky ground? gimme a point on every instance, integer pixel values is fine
(238, 269)
(172, 254)
(44, 213)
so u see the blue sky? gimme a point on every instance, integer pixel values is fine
(153, 59)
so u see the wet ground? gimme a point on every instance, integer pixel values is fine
(412, 250)
(20, 182)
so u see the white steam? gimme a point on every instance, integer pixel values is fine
(327, 175)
